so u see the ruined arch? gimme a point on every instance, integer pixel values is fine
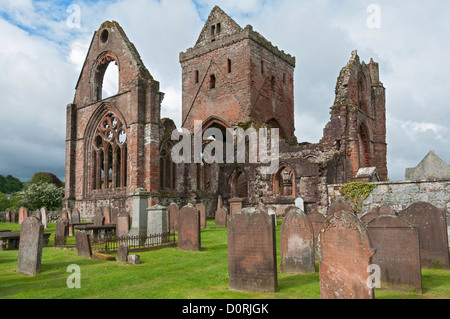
(98, 73)
(238, 183)
(284, 181)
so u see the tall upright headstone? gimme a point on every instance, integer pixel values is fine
(156, 221)
(30, 246)
(221, 217)
(396, 242)
(61, 232)
(189, 235)
(344, 258)
(252, 258)
(297, 243)
(123, 224)
(114, 213)
(432, 232)
(83, 244)
(139, 214)
(23, 214)
(172, 213)
(202, 210)
(317, 221)
(107, 214)
(37, 214)
(14, 216)
(75, 216)
(8, 215)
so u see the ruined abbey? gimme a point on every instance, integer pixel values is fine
(231, 77)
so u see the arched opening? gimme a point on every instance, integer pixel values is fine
(362, 96)
(109, 155)
(284, 182)
(106, 77)
(167, 168)
(364, 146)
(239, 184)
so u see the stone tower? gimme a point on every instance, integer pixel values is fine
(358, 119)
(234, 75)
(112, 144)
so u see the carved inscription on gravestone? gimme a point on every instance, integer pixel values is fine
(252, 261)
(344, 257)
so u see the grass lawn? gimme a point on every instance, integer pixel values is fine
(168, 273)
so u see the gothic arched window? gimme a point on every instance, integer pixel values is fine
(109, 155)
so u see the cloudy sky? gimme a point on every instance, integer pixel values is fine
(43, 45)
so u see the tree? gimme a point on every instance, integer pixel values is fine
(38, 195)
(10, 184)
(44, 177)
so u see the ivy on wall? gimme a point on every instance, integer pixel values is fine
(356, 193)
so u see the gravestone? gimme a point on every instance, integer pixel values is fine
(317, 221)
(396, 242)
(235, 205)
(44, 216)
(252, 258)
(287, 209)
(99, 219)
(123, 224)
(344, 258)
(221, 217)
(134, 259)
(202, 209)
(297, 243)
(8, 215)
(66, 214)
(114, 213)
(122, 253)
(339, 206)
(30, 246)
(14, 217)
(107, 214)
(23, 214)
(37, 214)
(139, 212)
(61, 232)
(374, 212)
(189, 235)
(157, 222)
(172, 213)
(83, 244)
(75, 216)
(432, 232)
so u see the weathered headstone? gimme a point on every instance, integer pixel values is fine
(75, 216)
(432, 232)
(107, 214)
(339, 206)
(44, 216)
(202, 209)
(140, 201)
(37, 214)
(66, 214)
(235, 205)
(123, 224)
(122, 253)
(221, 217)
(396, 242)
(99, 219)
(23, 214)
(14, 217)
(83, 244)
(374, 212)
(189, 235)
(61, 232)
(172, 213)
(317, 221)
(30, 246)
(297, 243)
(156, 222)
(114, 213)
(344, 258)
(8, 215)
(134, 259)
(252, 261)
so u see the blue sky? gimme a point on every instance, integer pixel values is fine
(41, 56)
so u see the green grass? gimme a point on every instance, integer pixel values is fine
(168, 273)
